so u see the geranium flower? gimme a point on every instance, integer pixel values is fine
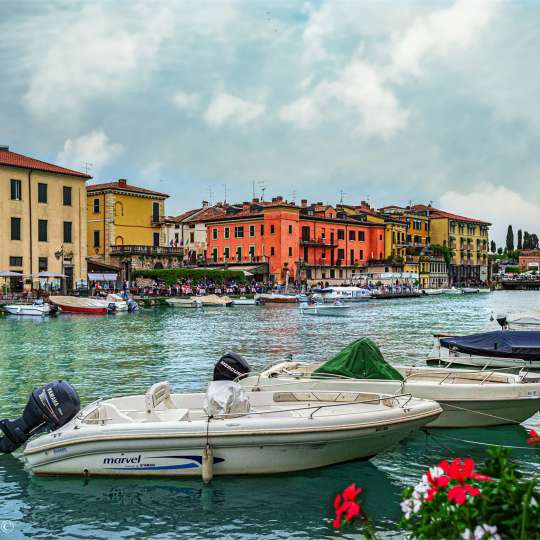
(435, 483)
(458, 494)
(346, 506)
(535, 437)
(481, 532)
(460, 470)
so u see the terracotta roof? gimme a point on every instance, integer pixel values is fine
(12, 159)
(436, 213)
(117, 186)
(184, 215)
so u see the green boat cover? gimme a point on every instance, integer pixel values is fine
(361, 359)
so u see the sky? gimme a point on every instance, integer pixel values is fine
(386, 101)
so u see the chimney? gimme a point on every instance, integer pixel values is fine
(365, 205)
(279, 198)
(205, 204)
(4, 147)
(319, 203)
(303, 203)
(255, 200)
(245, 205)
(122, 182)
(274, 199)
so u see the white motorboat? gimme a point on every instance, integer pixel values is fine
(116, 303)
(243, 301)
(213, 300)
(470, 290)
(433, 292)
(225, 432)
(278, 298)
(185, 303)
(37, 309)
(453, 290)
(519, 321)
(336, 309)
(343, 294)
(110, 304)
(499, 349)
(468, 398)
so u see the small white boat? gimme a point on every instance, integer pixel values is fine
(278, 298)
(223, 433)
(452, 290)
(333, 310)
(468, 398)
(37, 309)
(343, 294)
(470, 290)
(484, 290)
(433, 292)
(185, 303)
(243, 301)
(116, 303)
(213, 300)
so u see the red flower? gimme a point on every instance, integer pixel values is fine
(535, 437)
(458, 494)
(460, 470)
(435, 483)
(348, 506)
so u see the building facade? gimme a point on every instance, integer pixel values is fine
(309, 242)
(42, 218)
(126, 228)
(468, 240)
(529, 260)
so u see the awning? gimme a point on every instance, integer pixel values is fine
(102, 277)
(9, 273)
(249, 270)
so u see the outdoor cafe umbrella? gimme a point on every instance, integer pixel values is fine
(48, 275)
(8, 273)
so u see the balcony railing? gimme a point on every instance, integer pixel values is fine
(146, 250)
(323, 242)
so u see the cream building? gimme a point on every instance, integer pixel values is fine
(42, 218)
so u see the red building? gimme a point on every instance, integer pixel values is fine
(313, 242)
(529, 259)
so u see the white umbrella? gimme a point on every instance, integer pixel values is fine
(9, 273)
(48, 275)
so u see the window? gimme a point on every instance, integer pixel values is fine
(67, 232)
(67, 195)
(191, 237)
(252, 230)
(43, 264)
(15, 228)
(251, 252)
(323, 233)
(361, 236)
(42, 230)
(226, 253)
(290, 229)
(97, 243)
(239, 253)
(156, 239)
(155, 212)
(290, 251)
(272, 229)
(323, 255)
(16, 190)
(214, 254)
(341, 234)
(226, 232)
(96, 206)
(239, 231)
(361, 254)
(351, 254)
(42, 192)
(15, 261)
(272, 251)
(352, 235)
(305, 234)
(262, 230)
(340, 254)
(214, 234)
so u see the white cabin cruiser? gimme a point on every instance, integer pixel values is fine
(468, 398)
(37, 309)
(226, 431)
(342, 294)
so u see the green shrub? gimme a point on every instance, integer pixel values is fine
(171, 275)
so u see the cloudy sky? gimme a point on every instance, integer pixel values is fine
(393, 101)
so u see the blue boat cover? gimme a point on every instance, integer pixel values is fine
(503, 343)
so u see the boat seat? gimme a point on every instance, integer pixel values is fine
(156, 395)
(107, 412)
(339, 397)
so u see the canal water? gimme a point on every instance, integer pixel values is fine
(114, 355)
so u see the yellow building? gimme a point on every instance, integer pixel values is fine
(468, 238)
(126, 228)
(42, 218)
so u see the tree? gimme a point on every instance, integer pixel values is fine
(526, 240)
(493, 247)
(534, 241)
(500, 251)
(510, 239)
(520, 239)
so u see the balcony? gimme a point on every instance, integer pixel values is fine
(319, 242)
(150, 251)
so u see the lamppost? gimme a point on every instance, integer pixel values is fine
(60, 255)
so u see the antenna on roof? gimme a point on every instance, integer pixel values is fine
(263, 189)
(211, 195)
(87, 166)
(292, 195)
(341, 192)
(253, 188)
(225, 190)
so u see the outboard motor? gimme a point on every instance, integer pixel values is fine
(49, 407)
(503, 321)
(132, 305)
(230, 367)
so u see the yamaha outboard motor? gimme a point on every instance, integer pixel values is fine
(230, 367)
(50, 407)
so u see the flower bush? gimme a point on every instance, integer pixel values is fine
(453, 500)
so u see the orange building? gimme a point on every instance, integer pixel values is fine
(310, 242)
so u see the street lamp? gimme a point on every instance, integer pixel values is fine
(60, 255)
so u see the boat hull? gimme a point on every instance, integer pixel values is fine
(86, 310)
(327, 311)
(233, 455)
(27, 311)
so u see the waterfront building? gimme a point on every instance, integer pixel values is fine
(433, 272)
(312, 242)
(529, 260)
(125, 228)
(188, 230)
(42, 218)
(417, 230)
(468, 238)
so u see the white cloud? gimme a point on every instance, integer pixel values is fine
(93, 147)
(185, 102)
(498, 205)
(228, 108)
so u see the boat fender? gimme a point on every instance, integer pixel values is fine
(207, 464)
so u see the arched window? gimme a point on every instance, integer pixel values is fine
(118, 208)
(119, 241)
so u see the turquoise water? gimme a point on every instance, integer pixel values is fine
(114, 355)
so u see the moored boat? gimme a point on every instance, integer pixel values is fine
(185, 303)
(74, 304)
(243, 301)
(37, 309)
(343, 294)
(278, 298)
(433, 292)
(213, 300)
(332, 310)
(468, 398)
(470, 290)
